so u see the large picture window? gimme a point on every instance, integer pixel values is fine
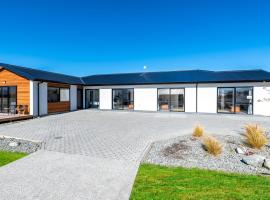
(171, 99)
(56, 94)
(123, 99)
(235, 100)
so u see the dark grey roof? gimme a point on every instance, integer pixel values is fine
(40, 75)
(189, 76)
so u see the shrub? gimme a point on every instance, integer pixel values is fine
(198, 131)
(212, 145)
(255, 136)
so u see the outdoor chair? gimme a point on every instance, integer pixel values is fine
(12, 108)
(22, 109)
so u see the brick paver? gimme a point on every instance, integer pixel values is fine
(95, 154)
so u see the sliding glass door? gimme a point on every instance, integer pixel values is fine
(92, 98)
(226, 100)
(244, 100)
(123, 99)
(171, 99)
(8, 97)
(235, 100)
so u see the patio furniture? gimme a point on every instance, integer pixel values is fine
(164, 107)
(130, 106)
(22, 109)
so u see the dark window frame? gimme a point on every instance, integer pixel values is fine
(130, 101)
(59, 94)
(170, 110)
(234, 100)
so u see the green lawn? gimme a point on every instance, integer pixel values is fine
(7, 157)
(157, 182)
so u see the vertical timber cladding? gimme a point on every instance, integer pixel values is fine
(8, 78)
(57, 107)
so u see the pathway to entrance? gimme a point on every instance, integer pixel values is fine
(95, 154)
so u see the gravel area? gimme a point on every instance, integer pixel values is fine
(187, 151)
(18, 145)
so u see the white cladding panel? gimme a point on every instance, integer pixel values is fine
(207, 99)
(190, 99)
(43, 96)
(105, 99)
(33, 98)
(145, 99)
(261, 101)
(73, 97)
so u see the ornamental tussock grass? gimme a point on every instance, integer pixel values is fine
(198, 131)
(212, 145)
(255, 136)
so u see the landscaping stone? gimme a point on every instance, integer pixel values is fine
(266, 163)
(13, 144)
(18, 145)
(240, 150)
(254, 160)
(185, 152)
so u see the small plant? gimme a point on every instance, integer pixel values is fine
(212, 145)
(198, 131)
(255, 136)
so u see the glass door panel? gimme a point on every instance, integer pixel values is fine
(177, 100)
(226, 100)
(164, 99)
(8, 97)
(92, 98)
(244, 100)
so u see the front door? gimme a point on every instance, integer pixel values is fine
(92, 98)
(79, 99)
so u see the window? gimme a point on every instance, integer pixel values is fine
(123, 99)
(58, 94)
(235, 100)
(171, 100)
(64, 94)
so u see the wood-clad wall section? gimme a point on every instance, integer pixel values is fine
(57, 107)
(8, 78)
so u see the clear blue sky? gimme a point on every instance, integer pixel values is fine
(101, 36)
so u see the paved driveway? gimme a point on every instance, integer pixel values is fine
(95, 154)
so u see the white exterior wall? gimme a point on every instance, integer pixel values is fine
(43, 98)
(105, 99)
(207, 99)
(145, 99)
(73, 97)
(261, 101)
(145, 96)
(190, 99)
(33, 98)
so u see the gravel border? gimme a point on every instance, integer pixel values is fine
(19, 145)
(187, 151)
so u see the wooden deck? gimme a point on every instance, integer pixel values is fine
(4, 118)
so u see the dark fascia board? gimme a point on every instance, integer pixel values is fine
(49, 81)
(205, 82)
